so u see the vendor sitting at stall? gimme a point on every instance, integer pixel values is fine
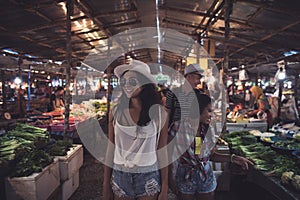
(56, 99)
(261, 105)
(289, 112)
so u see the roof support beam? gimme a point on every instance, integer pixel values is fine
(185, 25)
(184, 11)
(214, 4)
(52, 24)
(70, 10)
(267, 37)
(85, 10)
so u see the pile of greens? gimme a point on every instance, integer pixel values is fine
(289, 144)
(266, 159)
(28, 149)
(22, 138)
(59, 148)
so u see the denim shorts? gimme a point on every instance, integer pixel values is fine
(133, 185)
(194, 183)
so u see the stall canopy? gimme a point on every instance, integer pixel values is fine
(261, 31)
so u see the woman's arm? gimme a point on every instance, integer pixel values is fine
(262, 106)
(53, 104)
(61, 103)
(107, 191)
(243, 162)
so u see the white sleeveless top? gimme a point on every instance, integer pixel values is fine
(135, 145)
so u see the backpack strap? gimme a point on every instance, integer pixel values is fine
(158, 126)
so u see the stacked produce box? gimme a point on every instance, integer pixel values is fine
(69, 166)
(31, 157)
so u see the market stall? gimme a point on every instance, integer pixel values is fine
(34, 165)
(276, 157)
(54, 121)
(48, 43)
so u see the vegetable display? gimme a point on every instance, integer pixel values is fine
(29, 149)
(284, 166)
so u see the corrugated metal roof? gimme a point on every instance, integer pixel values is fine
(260, 30)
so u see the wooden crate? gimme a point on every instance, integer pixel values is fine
(71, 163)
(38, 186)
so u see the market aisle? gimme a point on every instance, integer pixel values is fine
(91, 177)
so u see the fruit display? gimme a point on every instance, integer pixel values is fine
(92, 108)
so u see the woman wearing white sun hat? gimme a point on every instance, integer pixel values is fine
(134, 169)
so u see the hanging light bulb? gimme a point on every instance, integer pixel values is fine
(281, 74)
(17, 81)
(243, 75)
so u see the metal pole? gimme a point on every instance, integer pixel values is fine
(20, 96)
(86, 82)
(279, 99)
(233, 85)
(227, 8)
(28, 89)
(68, 67)
(296, 90)
(198, 48)
(3, 90)
(244, 92)
(75, 86)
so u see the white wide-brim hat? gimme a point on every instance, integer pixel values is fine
(136, 66)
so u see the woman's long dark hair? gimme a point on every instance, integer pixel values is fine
(148, 96)
(203, 100)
